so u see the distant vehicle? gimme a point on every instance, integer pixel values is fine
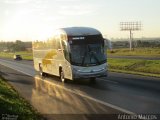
(71, 53)
(17, 57)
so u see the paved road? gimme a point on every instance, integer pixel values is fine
(119, 93)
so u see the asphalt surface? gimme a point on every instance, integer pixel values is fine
(118, 93)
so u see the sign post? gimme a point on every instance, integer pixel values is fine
(130, 26)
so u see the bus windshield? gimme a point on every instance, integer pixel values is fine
(87, 54)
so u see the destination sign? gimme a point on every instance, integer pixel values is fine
(78, 38)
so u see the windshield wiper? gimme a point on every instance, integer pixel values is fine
(92, 53)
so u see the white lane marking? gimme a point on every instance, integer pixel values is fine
(16, 69)
(85, 96)
(88, 97)
(114, 82)
(19, 63)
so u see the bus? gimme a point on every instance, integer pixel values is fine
(71, 53)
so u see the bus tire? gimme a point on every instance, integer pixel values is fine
(92, 80)
(41, 70)
(62, 78)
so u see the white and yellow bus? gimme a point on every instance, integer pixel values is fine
(71, 53)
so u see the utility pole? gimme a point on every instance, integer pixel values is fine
(130, 26)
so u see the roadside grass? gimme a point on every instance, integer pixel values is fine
(12, 104)
(135, 73)
(134, 66)
(6, 55)
(146, 52)
(25, 55)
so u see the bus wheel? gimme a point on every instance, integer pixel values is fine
(62, 76)
(92, 80)
(40, 70)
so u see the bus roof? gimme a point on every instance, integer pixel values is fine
(79, 31)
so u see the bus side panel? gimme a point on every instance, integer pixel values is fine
(52, 61)
(36, 60)
(36, 63)
(67, 70)
(46, 59)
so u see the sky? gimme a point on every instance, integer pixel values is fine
(34, 19)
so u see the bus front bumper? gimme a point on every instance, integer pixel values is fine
(77, 75)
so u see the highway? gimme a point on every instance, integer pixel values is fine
(118, 93)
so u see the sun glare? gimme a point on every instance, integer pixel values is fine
(27, 27)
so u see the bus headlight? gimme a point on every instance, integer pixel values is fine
(75, 70)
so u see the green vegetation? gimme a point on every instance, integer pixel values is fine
(12, 104)
(27, 55)
(144, 67)
(151, 52)
(135, 66)
(18, 45)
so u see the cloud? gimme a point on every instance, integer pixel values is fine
(67, 0)
(75, 10)
(16, 1)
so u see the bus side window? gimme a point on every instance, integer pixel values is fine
(65, 51)
(58, 45)
(53, 40)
